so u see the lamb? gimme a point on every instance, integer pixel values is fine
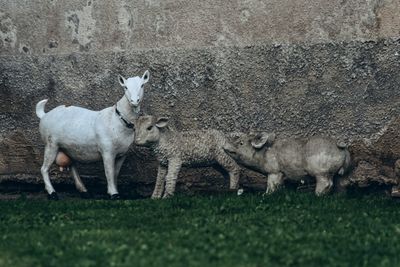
(86, 135)
(320, 157)
(174, 149)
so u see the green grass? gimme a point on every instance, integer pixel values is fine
(285, 229)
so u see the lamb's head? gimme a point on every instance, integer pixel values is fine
(148, 129)
(134, 87)
(244, 148)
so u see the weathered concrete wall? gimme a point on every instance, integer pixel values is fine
(61, 26)
(294, 67)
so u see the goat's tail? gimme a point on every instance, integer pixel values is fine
(40, 108)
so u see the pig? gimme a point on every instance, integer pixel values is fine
(291, 158)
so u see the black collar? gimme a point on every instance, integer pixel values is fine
(128, 124)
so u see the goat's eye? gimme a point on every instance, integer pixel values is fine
(149, 128)
(142, 85)
(241, 143)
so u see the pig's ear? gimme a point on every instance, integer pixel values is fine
(263, 139)
(162, 122)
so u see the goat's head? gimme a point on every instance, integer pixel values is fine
(134, 87)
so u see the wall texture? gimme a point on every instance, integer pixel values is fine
(61, 26)
(293, 67)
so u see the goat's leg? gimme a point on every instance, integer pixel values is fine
(118, 164)
(109, 168)
(324, 184)
(160, 183)
(174, 166)
(78, 182)
(50, 153)
(230, 166)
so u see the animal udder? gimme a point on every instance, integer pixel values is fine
(63, 160)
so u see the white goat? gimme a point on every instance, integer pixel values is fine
(85, 135)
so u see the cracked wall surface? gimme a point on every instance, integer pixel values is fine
(60, 26)
(294, 67)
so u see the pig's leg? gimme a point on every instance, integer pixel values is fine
(230, 166)
(275, 180)
(50, 153)
(174, 166)
(78, 182)
(324, 184)
(159, 187)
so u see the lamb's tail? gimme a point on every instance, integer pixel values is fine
(341, 144)
(40, 108)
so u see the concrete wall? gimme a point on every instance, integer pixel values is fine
(60, 26)
(294, 67)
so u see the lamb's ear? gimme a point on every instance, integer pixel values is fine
(146, 76)
(121, 80)
(263, 139)
(162, 122)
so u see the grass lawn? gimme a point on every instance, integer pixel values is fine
(285, 229)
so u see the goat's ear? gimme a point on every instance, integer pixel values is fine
(146, 76)
(263, 139)
(162, 122)
(121, 80)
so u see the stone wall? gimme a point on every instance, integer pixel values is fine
(293, 67)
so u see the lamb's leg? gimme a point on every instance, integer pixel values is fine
(174, 166)
(324, 184)
(229, 165)
(159, 187)
(109, 168)
(275, 180)
(78, 182)
(50, 153)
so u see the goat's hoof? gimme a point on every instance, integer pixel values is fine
(115, 197)
(86, 195)
(52, 196)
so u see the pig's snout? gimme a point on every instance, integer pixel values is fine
(230, 149)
